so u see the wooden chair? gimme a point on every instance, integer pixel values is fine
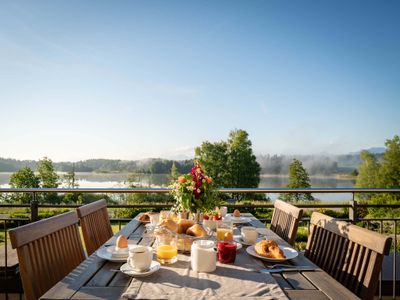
(95, 224)
(285, 220)
(48, 250)
(351, 254)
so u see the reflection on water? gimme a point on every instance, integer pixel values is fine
(119, 180)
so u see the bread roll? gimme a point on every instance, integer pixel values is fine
(269, 249)
(236, 213)
(171, 225)
(144, 218)
(196, 230)
(184, 224)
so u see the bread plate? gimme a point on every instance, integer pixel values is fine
(238, 220)
(105, 253)
(290, 253)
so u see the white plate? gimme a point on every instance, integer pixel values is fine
(238, 220)
(118, 253)
(127, 269)
(108, 253)
(290, 253)
(104, 254)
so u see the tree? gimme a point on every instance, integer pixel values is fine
(174, 172)
(298, 178)
(230, 163)
(23, 178)
(132, 180)
(389, 171)
(70, 181)
(368, 173)
(213, 158)
(387, 176)
(243, 168)
(48, 178)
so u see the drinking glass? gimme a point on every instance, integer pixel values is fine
(224, 227)
(164, 215)
(167, 246)
(154, 219)
(223, 210)
(226, 252)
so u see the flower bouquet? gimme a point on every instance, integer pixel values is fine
(194, 192)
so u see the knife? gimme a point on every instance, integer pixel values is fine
(298, 269)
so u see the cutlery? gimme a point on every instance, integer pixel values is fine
(116, 271)
(283, 266)
(295, 269)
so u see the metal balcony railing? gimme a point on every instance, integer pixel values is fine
(383, 225)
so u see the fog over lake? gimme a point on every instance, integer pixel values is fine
(118, 180)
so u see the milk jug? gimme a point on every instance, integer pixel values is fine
(203, 256)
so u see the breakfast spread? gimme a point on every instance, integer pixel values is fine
(186, 230)
(269, 249)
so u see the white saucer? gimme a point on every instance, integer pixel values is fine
(290, 253)
(127, 269)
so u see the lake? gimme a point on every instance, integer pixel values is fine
(118, 180)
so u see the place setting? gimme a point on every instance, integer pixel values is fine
(118, 252)
(237, 218)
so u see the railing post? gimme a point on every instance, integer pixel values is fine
(34, 208)
(353, 210)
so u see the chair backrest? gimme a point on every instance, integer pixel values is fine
(285, 220)
(48, 250)
(351, 254)
(95, 224)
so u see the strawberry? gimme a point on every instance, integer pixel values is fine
(206, 217)
(217, 218)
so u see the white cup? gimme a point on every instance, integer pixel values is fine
(249, 234)
(223, 210)
(140, 258)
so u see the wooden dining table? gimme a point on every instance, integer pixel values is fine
(96, 278)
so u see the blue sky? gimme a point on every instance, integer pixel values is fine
(136, 79)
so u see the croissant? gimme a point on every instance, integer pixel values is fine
(269, 249)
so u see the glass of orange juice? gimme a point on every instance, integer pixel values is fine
(167, 248)
(224, 227)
